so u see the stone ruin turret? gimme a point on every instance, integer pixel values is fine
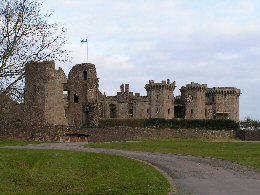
(161, 99)
(82, 87)
(193, 99)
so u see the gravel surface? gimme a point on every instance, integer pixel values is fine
(191, 175)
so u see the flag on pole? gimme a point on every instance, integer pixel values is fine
(86, 41)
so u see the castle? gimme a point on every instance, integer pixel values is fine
(76, 101)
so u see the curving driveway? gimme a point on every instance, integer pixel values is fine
(190, 175)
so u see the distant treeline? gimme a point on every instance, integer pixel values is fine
(249, 122)
(210, 124)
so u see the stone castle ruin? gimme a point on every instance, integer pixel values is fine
(54, 103)
(75, 101)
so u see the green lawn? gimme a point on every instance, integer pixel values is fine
(7, 142)
(68, 172)
(242, 153)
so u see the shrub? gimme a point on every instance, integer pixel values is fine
(209, 124)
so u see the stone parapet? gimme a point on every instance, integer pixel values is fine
(163, 85)
(224, 91)
(197, 86)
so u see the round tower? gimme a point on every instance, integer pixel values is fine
(43, 93)
(161, 99)
(193, 99)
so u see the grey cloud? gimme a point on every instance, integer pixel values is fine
(133, 41)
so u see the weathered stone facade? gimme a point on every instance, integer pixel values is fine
(52, 98)
(82, 95)
(159, 102)
(43, 101)
(199, 102)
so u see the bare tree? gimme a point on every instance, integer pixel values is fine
(26, 35)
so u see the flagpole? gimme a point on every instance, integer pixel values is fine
(86, 41)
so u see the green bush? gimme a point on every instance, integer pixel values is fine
(209, 124)
(122, 122)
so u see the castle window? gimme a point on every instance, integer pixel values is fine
(169, 111)
(168, 97)
(85, 75)
(157, 110)
(112, 108)
(130, 110)
(192, 98)
(147, 110)
(76, 98)
(191, 111)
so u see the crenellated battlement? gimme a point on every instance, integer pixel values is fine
(197, 86)
(224, 91)
(163, 85)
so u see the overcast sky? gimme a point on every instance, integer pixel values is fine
(133, 41)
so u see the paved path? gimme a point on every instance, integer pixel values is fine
(192, 175)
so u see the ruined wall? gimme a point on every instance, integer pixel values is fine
(11, 116)
(124, 106)
(109, 107)
(10, 109)
(43, 100)
(141, 107)
(14, 124)
(209, 114)
(193, 97)
(82, 87)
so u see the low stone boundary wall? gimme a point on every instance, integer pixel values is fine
(33, 132)
(53, 133)
(136, 133)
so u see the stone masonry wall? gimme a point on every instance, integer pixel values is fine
(133, 134)
(83, 93)
(43, 100)
(224, 101)
(193, 97)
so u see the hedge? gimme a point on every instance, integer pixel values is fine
(209, 124)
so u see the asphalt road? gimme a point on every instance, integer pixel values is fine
(187, 174)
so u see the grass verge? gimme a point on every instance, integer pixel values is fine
(6, 142)
(240, 152)
(68, 172)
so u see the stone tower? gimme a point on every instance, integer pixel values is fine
(44, 102)
(193, 98)
(161, 99)
(83, 91)
(223, 103)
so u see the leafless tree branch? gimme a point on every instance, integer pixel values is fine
(25, 36)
